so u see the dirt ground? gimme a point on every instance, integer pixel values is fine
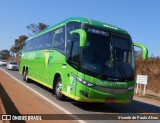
(151, 68)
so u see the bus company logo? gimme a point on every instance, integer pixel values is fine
(111, 84)
(47, 58)
(46, 54)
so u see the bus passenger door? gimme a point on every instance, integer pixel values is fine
(72, 69)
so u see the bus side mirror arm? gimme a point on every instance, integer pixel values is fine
(144, 49)
(83, 36)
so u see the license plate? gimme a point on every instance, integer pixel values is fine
(110, 100)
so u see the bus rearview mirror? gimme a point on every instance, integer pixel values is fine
(144, 49)
(83, 36)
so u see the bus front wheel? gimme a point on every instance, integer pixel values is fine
(58, 90)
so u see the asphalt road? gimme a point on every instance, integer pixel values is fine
(90, 109)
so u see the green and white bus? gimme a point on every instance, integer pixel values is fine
(83, 59)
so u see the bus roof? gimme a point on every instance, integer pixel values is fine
(85, 20)
(98, 24)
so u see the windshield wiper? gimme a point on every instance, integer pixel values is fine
(100, 75)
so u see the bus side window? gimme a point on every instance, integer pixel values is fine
(36, 43)
(30, 48)
(59, 39)
(74, 54)
(49, 40)
(25, 46)
(70, 27)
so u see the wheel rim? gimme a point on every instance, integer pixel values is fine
(58, 89)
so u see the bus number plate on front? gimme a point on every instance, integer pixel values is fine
(110, 100)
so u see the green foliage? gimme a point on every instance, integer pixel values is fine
(16, 49)
(36, 28)
(18, 46)
(4, 54)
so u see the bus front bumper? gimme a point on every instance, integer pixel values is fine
(107, 95)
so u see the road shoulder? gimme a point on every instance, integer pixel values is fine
(21, 100)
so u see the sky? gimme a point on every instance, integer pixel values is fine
(141, 18)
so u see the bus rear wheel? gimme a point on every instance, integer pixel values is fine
(25, 76)
(58, 90)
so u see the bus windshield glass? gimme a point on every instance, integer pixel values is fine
(107, 56)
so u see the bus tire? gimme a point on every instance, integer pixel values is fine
(58, 89)
(25, 76)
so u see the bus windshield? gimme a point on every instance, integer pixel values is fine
(107, 56)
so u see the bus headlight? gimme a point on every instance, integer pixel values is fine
(84, 82)
(87, 83)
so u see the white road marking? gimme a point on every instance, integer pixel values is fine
(51, 102)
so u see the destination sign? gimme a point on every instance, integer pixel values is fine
(99, 32)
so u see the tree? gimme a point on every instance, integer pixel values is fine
(139, 54)
(13, 51)
(4, 54)
(16, 49)
(18, 45)
(36, 28)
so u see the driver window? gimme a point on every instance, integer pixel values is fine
(74, 54)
